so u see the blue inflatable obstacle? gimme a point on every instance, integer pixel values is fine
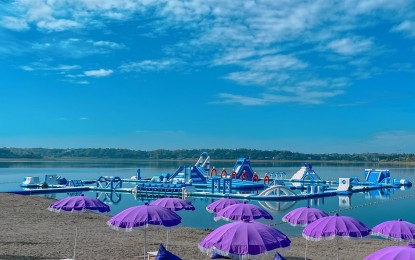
(376, 176)
(306, 173)
(243, 166)
(242, 177)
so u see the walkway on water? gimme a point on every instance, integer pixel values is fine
(250, 196)
(280, 193)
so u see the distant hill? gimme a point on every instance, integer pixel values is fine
(218, 154)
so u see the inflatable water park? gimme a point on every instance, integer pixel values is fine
(202, 180)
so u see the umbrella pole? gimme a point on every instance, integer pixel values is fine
(167, 242)
(306, 249)
(74, 246)
(337, 243)
(145, 241)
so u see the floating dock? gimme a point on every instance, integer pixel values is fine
(241, 182)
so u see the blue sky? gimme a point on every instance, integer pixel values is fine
(305, 76)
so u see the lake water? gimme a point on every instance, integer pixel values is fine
(371, 208)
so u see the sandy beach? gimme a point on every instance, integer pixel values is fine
(30, 231)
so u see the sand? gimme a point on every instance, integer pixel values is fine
(30, 231)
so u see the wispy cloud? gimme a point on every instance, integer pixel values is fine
(108, 44)
(274, 45)
(53, 16)
(14, 23)
(98, 73)
(46, 67)
(350, 45)
(76, 47)
(148, 65)
(407, 27)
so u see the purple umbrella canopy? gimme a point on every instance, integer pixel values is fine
(244, 240)
(393, 253)
(395, 230)
(221, 204)
(138, 216)
(326, 228)
(79, 203)
(242, 211)
(174, 204)
(142, 216)
(303, 216)
(335, 226)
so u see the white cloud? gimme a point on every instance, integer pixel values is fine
(148, 65)
(98, 73)
(27, 68)
(57, 15)
(407, 27)
(14, 23)
(227, 98)
(75, 47)
(108, 44)
(276, 45)
(257, 77)
(57, 24)
(42, 66)
(350, 45)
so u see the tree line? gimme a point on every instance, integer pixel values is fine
(219, 154)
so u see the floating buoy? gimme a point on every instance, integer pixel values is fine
(213, 171)
(266, 179)
(244, 176)
(223, 172)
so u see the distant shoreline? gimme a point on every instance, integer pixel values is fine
(127, 160)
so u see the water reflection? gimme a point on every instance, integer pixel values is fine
(109, 197)
(379, 194)
(276, 205)
(344, 201)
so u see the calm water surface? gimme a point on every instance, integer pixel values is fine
(371, 208)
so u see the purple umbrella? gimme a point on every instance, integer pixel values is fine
(221, 204)
(243, 240)
(78, 203)
(242, 211)
(396, 230)
(174, 204)
(393, 253)
(139, 216)
(303, 216)
(335, 226)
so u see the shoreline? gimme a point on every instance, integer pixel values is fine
(191, 160)
(30, 231)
